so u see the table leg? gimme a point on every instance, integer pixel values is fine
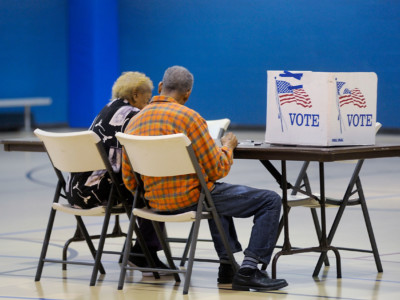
(323, 241)
(286, 248)
(324, 244)
(302, 181)
(349, 191)
(27, 118)
(286, 243)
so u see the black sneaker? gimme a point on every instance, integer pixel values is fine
(226, 273)
(256, 280)
(141, 262)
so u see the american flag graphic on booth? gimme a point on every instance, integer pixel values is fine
(348, 96)
(288, 93)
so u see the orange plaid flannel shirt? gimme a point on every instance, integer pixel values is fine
(166, 116)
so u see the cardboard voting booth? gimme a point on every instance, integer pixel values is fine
(321, 108)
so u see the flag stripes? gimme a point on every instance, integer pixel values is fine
(353, 96)
(292, 94)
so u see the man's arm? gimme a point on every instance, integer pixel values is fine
(215, 161)
(229, 140)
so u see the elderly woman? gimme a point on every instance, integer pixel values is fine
(130, 93)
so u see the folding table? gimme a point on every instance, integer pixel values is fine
(266, 152)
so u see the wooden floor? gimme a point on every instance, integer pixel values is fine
(27, 182)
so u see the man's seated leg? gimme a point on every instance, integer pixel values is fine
(226, 271)
(249, 277)
(243, 202)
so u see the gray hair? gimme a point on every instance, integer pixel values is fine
(178, 79)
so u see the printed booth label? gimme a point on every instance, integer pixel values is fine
(321, 108)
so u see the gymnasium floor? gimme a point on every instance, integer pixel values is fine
(27, 182)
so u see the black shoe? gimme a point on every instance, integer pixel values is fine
(140, 261)
(226, 273)
(256, 281)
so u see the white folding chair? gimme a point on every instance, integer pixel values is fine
(161, 156)
(80, 152)
(354, 188)
(217, 129)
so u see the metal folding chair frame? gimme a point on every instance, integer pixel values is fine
(185, 240)
(205, 204)
(78, 236)
(97, 254)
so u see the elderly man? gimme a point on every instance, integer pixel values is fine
(167, 114)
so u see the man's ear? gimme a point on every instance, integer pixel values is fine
(187, 95)
(160, 87)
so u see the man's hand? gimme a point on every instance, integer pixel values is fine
(229, 140)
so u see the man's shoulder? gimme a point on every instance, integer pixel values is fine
(189, 111)
(174, 108)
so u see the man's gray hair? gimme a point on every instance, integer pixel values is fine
(178, 79)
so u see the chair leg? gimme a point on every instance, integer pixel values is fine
(88, 240)
(117, 230)
(167, 250)
(187, 247)
(145, 249)
(76, 237)
(193, 244)
(123, 251)
(45, 245)
(127, 250)
(48, 232)
(164, 232)
(100, 247)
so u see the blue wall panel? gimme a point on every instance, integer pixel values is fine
(72, 50)
(229, 45)
(93, 57)
(33, 54)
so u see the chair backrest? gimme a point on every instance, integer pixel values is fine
(158, 156)
(217, 128)
(72, 151)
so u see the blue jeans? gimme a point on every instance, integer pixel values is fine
(241, 201)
